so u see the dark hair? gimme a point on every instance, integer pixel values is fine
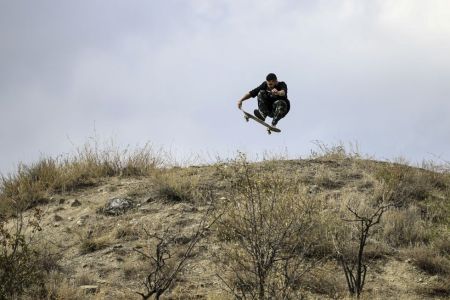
(271, 76)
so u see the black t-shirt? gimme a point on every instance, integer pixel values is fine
(279, 86)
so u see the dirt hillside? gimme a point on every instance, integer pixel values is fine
(95, 250)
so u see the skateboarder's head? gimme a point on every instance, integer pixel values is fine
(271, 80)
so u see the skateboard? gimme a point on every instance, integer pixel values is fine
(248, 116)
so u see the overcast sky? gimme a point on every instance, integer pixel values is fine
(170, 73)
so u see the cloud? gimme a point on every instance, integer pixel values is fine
(171, 72)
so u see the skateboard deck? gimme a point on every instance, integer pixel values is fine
(248, 116)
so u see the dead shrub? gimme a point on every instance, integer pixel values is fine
(264, 232)
(360, 218)
(165, 265)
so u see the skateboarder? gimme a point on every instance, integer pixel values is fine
(272, 99)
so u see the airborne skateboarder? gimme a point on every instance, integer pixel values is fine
(272, 99)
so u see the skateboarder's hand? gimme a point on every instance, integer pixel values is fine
(239, 104)
(274, 92)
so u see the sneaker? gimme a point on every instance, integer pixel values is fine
(259, 115)
(274, 122)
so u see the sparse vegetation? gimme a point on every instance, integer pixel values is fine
(32, 184)
(264, 233)
(442, 244)
(89, 245)
(134, 270)
(363, 217)
(438, 288)
(127, 233)
(274, 239)
(21, 263)
(93, 239)
(164, 267)
(323, 281)
(324, 179)
(335, 152)
(410, 184)
(405, 227)
(84, 278)
(173, 187)
(429, 260)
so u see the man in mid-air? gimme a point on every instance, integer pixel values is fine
(272, 99)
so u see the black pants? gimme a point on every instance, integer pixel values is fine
(274, 108)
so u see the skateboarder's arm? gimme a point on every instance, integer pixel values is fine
(252, 94)
(276, 92)
(281, 93)
(245, 97)
(283, 89)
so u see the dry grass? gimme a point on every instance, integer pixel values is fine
(85, 279)
(89, 245)
(377, 250)
(127, 233)
(405, 227)
(32, 184)
(22, 262)
(418, 227)
(411, 184)
(134, 270)
(325, 281)
(265, 231)
(177, 187)
(335, 152)
(442, 244)
(94, 239)
(429, 260)
(438, 288)
(328, 180)
(55, 287)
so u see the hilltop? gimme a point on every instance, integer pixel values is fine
(100, 219)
